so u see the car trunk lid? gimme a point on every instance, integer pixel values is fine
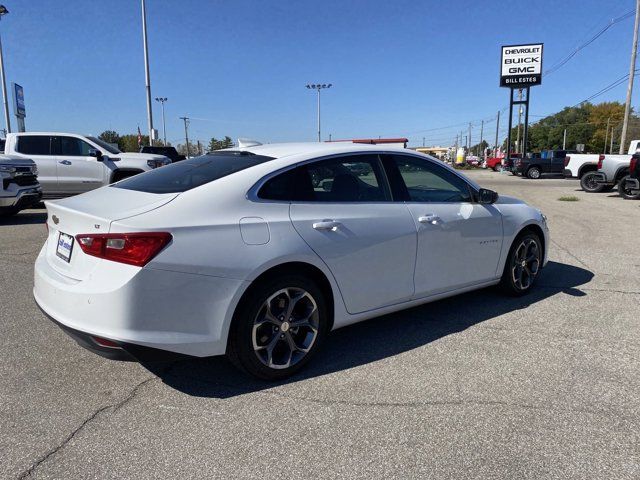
(92, 212)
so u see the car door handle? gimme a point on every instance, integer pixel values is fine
(330, 225)
(429, 218)
(65, 162)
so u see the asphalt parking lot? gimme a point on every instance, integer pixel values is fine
(476, 386)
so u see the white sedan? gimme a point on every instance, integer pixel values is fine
(259, 253)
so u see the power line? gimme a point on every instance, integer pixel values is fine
(611, 86)
(555, 67)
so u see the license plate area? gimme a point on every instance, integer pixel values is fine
(65, 246)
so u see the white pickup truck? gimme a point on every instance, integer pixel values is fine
(69, 163)
(584, 166)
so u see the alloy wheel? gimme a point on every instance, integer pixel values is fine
(285, 328)
(526, 263)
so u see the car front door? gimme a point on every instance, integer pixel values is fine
(38, 149)
(344, 212)
(459, 240)
(78, 171)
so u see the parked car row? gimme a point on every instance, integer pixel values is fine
(596, 172)
(38, 165)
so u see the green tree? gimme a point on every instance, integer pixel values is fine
(109, 136)
(215, 144)
(129, 142)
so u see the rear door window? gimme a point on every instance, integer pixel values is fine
(34, 144)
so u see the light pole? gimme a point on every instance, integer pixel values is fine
(3, 12)
(164, 127)
(318, 87)
(147, 79)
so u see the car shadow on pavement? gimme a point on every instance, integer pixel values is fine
(25, 218)
(375, 339)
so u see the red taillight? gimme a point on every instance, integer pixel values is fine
(103, 342)
(567, 159)
(600, 160)
(634, 164)
(130, 248)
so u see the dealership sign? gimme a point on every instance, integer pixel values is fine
(18, 101)
(521, 65)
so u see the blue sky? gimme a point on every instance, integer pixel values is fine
(398, 68)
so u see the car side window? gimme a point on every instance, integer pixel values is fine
(356, 178)
(74, 147)
(423, 181)
(34, 144)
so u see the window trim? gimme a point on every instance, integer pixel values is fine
(390, 165)
(252, 194)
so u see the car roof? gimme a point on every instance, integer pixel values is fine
(281, 150)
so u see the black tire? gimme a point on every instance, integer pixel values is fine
(512, 282)
(625, 192)
(588, 183)
(247, 353)
(497, 168)
(534, 173)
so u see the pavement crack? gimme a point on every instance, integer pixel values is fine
(114, 407)
(566, 250)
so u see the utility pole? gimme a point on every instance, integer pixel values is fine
(147, 79)
(480, 149)
(469, 144)
(632, 70)
(606, 135)
(423, 141)
(495, 151)
(564, 140)
(611, 145)
(3, 12)
(186, 133)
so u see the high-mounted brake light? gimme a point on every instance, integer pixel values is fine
(131, 248)
(600, 160)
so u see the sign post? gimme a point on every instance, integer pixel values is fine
(18, 105)
(520, 69)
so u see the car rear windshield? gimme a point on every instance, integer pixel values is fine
(188, 174)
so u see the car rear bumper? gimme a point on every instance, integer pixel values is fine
(151, 309)
(567, 173)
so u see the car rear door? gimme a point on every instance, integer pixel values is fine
(459, 241)
(78, 171)
(344, 212)
(38, 148)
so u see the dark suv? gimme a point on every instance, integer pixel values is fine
(170, 152)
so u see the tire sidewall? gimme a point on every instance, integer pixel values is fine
(240, 334)
(583, 184)
(623, 191)
(507, 278)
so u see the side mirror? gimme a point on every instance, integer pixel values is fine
(94, 152)
(486, 196)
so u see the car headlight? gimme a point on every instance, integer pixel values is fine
(7, 169)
